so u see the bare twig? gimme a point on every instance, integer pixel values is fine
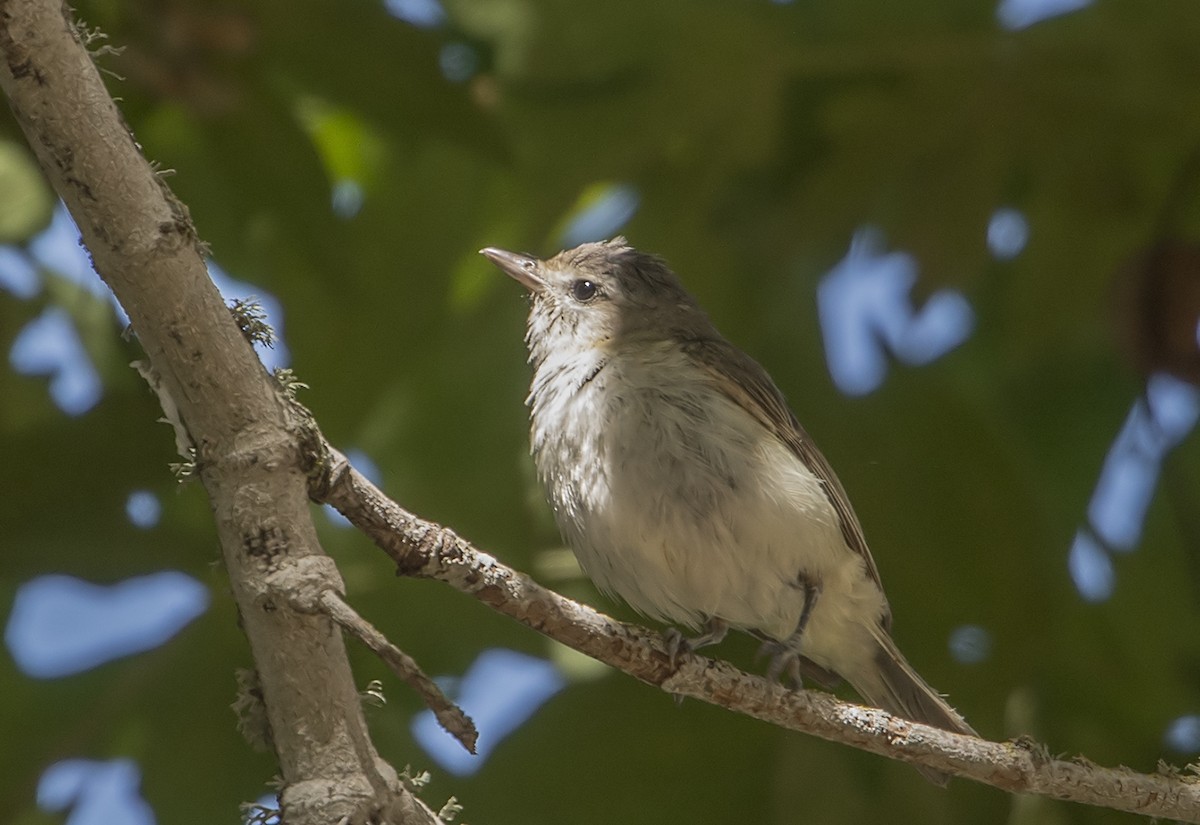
(424, 549)
(449, 715)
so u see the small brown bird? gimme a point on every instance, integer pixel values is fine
(685, 485)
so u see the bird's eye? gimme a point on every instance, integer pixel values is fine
(583, 290)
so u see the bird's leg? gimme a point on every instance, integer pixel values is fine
(677, 643)
(812, 591)
(785, 656)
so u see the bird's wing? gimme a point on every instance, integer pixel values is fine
(745, 382)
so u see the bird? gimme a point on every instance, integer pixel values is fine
(685, 485)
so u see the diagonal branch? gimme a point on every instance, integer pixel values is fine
(423, 549)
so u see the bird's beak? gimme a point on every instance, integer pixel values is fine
(521, 268)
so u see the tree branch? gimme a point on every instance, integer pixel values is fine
(144, 246)
(423, 549)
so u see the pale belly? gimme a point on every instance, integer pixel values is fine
(682, 504)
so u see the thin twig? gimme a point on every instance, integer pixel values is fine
(423, 549)
(449, 715)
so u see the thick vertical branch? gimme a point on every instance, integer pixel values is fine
(144, 246)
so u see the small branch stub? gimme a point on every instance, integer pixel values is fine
(448, 714)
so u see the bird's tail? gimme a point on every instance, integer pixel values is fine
(894, 686)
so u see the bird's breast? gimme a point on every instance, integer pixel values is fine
(674, 497)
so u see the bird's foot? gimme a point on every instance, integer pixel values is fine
(678, 644)
(784, 660)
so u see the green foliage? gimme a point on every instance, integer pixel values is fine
(759, 136)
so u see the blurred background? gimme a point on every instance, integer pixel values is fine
(964, 238)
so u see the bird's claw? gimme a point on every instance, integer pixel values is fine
(678, 644)
(784, 660)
